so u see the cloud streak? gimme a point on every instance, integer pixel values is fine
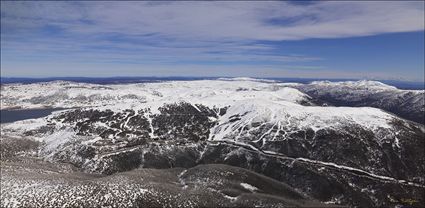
(219, 20)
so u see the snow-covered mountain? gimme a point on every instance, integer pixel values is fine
(218, 93)
(359, 156)
(408, 104)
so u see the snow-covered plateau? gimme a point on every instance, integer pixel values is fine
(158, 144)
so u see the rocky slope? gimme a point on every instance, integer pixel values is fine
(358, 156)
(34, 183)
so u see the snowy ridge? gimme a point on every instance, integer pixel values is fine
(138, 96)
(356, 84)
(285, 116)
(408, 104)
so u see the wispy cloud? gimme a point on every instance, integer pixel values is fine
(219, 20)
(191, 32)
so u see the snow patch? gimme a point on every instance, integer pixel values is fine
(57, 139)
(249, 187)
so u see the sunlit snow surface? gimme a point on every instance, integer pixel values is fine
(255, 101)
(207, 92)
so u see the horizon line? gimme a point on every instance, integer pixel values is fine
(200, 77)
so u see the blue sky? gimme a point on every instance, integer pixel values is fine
(335, 39)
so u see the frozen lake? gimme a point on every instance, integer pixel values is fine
(7, 116)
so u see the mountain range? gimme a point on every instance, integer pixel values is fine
(225, 142)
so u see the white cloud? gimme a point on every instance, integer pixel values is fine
(221, 20)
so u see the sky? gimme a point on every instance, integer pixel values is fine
(309, 39)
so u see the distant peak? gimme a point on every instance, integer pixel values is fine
(246, 79)
(356, 84)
